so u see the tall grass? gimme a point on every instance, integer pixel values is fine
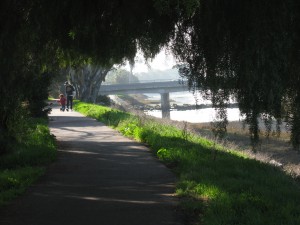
(226, 189)
(25, 162)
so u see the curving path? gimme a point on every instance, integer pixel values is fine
(100, 178)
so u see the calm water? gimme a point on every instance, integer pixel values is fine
(192, 116)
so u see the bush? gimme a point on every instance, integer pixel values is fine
(103, 100)
(26, 160)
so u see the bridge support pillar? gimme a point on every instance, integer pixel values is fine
(165, 105)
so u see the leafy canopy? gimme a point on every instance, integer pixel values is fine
(245, 49)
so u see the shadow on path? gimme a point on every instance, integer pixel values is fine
(100, 178)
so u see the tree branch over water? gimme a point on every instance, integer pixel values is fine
(246, 49)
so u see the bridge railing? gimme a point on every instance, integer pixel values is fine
(148, 81)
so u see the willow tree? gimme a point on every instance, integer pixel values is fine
(246, 49)
(35, 36)
(24, 76)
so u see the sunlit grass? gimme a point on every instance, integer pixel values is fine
(216, 185)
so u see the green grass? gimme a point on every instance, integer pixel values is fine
(217, 186)
(27, 160)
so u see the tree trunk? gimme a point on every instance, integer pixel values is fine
(87, 81)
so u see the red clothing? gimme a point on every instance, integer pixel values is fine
(62, 101)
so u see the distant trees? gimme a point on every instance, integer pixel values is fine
(170, 74)
(121, 76)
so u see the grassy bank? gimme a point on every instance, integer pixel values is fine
(25, 163)
(216, 185)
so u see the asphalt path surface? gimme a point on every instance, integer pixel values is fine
(99, 178)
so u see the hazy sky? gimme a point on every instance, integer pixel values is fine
(162, 61)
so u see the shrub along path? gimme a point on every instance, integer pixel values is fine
(100, 177)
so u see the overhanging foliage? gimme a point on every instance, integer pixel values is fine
(246, 49)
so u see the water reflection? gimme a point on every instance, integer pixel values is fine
(195, 115)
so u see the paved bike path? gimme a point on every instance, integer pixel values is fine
(100, 178)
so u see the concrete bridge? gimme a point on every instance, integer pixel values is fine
(161, 87)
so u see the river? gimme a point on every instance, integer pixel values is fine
(192, 116)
